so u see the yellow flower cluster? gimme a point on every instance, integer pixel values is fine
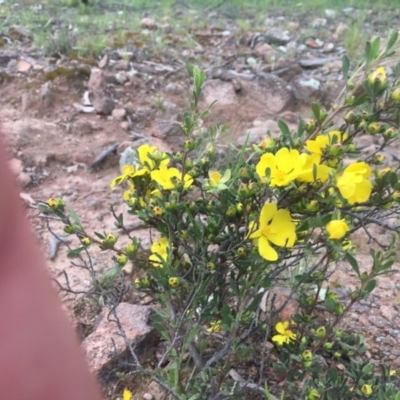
(160, 252)
(287, 165)
(153, 162)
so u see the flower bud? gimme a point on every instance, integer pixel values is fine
(189, 164)
(110, 239)
(231, 211)
(131, 249)
(338, 334)
(307, 364)
(210, 266)
(333, 162)
(383, 172)
(350, 117)
(312, 206)
(396, 196)
(313, 394)
(189, 144)
(337, 355)
(244, 173)
(267, 143)
(241, 251)
(320, 332)
(390, 133)
(322, 114)
(56, 204)
(69, 229)
(178, 157)
(351, 85)
(396, 94)
(338, 309)
(336, 149)
(174, 281)
(122, 259)
(183, 234)
(86, 241)
(307, 355)
(351, 147)
(328, 345)
(366, 390)
(378, 75)
(374, 127)
(204, 161)
(310, 126)
(378, 159)
(157, 211)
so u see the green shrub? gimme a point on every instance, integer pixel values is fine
(277, 214)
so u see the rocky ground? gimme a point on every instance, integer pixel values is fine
(61, 115)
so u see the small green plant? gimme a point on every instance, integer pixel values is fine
(230, 233)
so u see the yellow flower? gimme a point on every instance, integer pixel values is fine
(160, 250)
(127, 395)
(366, 390)
(307, 175)
(174, 281)
(379, 74)
(148, 162)
(128, 172)
(276, 226)
(215, 327)
(353, 184)
(322, 141)
(216, 180)
(392, 372)
(337, 228)
(165, 176)
(285, 335)
(284, 166)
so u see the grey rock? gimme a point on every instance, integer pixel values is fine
(306, 88)
(219, 91)
(121, 65)
(103, 105)
(82, 127)
(16, 32)
(171, 133)
(277, 36)
(101, 98)
(107, 351)
(173, 88)
(119, 113)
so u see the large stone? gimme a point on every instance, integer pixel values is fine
(148, 23)
(97, 81)
(171, 133)
(220, 91)
(265, 51)
(101, 98)
(306, 89)
(107, 351)
(277, 36)
(103, 104)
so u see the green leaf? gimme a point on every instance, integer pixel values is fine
(354, 264)
(392, 39)
(226, 315)
(75, 252)
(316, 110)
(375, 46)
(189, 337)
(370, 286)
(361, 100)
(284, 129)
(74, 217)
(345, 67)
(367, 53)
